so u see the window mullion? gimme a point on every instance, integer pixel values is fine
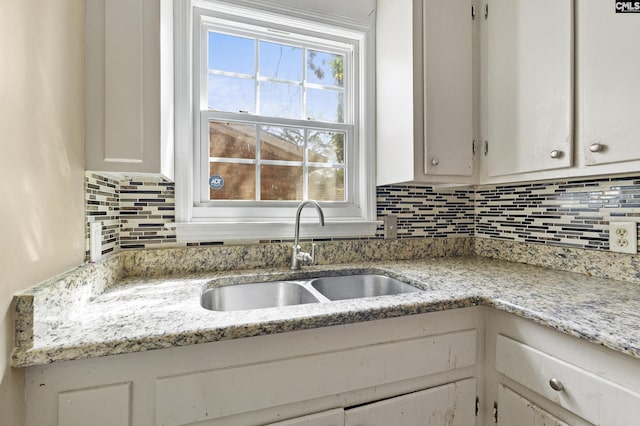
(258, 162)
(304, 83)
(256, 74)
(275, 121)
(305, 168)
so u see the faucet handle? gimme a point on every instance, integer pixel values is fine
(313, 254)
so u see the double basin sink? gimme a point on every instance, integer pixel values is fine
(240, 297)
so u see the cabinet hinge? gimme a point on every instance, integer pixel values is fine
(477, 406)
(486, 147)
(473, 11)
(486, 11)
(495, 412)
(473, 147)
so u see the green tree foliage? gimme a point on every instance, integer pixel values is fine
(336, 65)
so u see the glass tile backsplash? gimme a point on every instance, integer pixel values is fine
(570, 213)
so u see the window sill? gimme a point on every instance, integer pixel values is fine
(256, 231)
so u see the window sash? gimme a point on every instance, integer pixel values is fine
(202, 174)
(306, 42)
(202, 161)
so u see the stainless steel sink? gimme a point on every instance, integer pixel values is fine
(240, 297)
(357, 286)
(255, 296)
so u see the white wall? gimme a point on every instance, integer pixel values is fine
(361, 10)
(41, 159)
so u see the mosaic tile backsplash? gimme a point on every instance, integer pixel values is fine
(145, 206)
(135, 211)
(102, 205)
(568, 213)
(422, 212)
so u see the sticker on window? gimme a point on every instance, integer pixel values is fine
(216, 182)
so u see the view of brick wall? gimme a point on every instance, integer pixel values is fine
(235, 144)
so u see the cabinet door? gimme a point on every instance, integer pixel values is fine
(452, 404)
(100, 406)
(516, 410)
(424, 86)
(530, 85)
(326, 418)
(129, 86)
(448, 87)
(608, 65)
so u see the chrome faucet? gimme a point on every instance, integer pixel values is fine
(299, 257)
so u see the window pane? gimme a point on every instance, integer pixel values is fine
(326, 184)
(325, 105)
(239, 181)
(232, 140)
(282, 143)
(280, 61)
(325, 68)
(281, 183)
(231, 53)
(326, 147)
(280, 100)
(231, 94)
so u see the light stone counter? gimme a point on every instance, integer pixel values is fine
(139, 314)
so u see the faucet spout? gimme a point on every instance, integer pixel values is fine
(298, 256)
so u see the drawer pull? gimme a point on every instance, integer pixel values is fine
(556, 385)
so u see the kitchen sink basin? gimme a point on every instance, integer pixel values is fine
(357, 286)
(241, 297)
(255, 296)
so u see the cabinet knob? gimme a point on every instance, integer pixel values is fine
(435, 161)
(596, 147)
(556, 385)
(555, 153)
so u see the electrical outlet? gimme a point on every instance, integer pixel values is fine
(623, 237)
(95, 241)
(390, 227)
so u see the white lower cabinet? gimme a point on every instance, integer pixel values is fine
(537, 376)
(101, 406)
(515, 407)
(425, 369)
(327, 418)
(451, 404)
(410, 370)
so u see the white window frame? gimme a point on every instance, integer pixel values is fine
(198, 221)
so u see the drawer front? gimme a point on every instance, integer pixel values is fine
(584, 393)
(212, 394)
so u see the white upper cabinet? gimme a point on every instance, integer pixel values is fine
(448, 88)
(424, 82)
(529, 85)
(129, 86)
(609, 75)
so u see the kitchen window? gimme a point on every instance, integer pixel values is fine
(279, 106)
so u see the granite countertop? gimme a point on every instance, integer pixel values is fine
(139, 314)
